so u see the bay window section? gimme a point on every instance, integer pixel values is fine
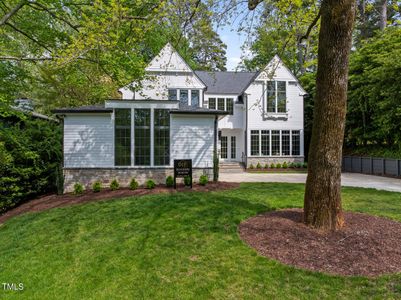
(230, 106)
(265, 142)
(184, 97)
(296, 142)
(285, 142)
(275, 142)
(122, 137)
(172, 94)
(212, 103)
(142, 137)
(161, 137)
(255, 142)
(220, 103)
(194, 98)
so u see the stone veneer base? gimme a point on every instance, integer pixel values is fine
(87, 176)
(269, 160)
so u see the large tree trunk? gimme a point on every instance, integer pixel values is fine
(322, 200)
(383, 14)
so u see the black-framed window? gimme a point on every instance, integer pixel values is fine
(221, 103)
(275, 142)
(254, 142)
(161, 137)
(184, 94)
(230, 105)
(142, 137)
(265, 142)
(233, 147)
(122, 137)
(285, 142)
(296, 142)
(212, 103)
(172, 94)
(271, 96)
(195, 98)
(276, 96)
(281, 97)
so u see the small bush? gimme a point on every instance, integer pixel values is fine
(203, 180)
(150, 184)
(187, 180)
(114, 185)
(305, 165)
(78, 188)
(285, 165)
(292, 165)
(96, 187)
(258, 166)
(133, 185)
(272, 166)
(170, 181)
(298, 165)
(251, 166)
(278, 166)
(266, 166)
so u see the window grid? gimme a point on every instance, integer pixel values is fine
(161, 137)
(276, 96)
(122, 137)
(254, 142)
(223, 142)
(265, 141)
(271, 96)
(220, 103)
(281, 97)
(285, 142)
(184, 96)
(230, 106)
(233, 148)
(212, 103)
(172, 94)
(142, 136)
(296, 142)
(275, 142)
(194, 98)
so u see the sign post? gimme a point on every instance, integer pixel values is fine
(182, 168)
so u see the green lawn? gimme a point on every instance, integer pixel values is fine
(173, 246)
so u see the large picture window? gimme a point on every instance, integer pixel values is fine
(276, 97)
(122, 137)
(142, 137)
(275, 142)
(161, 137)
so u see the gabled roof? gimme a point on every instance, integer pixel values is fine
(226, 82)
(169, 60)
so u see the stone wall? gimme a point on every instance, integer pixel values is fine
(269, 160)
(87, 176)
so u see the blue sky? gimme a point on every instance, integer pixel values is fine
(234, 41)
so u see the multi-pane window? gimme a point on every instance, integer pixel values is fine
(254, 142)
(212, 103)
(142, 137)
(161, 137)
(276, 96)
(285, 142)
(220, 103)
(230, 106)
(194, 98)
(184, 97)
(122, 137)
(265, 142)
(224, 145)
(172, 94)
(275, 142)
(296, 142)
(233, 147)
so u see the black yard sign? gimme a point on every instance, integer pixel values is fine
(182, 168)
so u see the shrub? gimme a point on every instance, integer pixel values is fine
(170, 181)
(258, 166)
(78, 188)
(133, 185)
(114, 185)
(203, 180)
(266, 166)
(251, 166)
(96, 187)
(187, 180)
(285, 166)
(298, 165)
(150, 184)
(292, 165)
(305, 165)
(272, 165)
(278, 166)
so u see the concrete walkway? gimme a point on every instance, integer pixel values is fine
(347, 179)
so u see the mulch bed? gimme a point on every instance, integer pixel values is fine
(367, 245)
(53, 201)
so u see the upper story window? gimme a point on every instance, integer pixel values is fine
(226, 104)
(276, 97)
(185, 96)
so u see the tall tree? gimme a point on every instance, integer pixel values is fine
(322, 203)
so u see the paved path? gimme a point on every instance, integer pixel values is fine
(347, 179)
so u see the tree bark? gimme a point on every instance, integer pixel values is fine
(322, 199)
(383, 14)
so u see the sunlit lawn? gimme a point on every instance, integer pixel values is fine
(173, 246)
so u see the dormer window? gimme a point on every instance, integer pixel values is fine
(186, 97)
(276, 97)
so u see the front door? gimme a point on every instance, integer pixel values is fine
(228, 148)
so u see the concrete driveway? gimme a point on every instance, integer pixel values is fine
(347, 179)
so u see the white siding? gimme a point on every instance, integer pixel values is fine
(88, 141)
(192, 138)
(235, 121)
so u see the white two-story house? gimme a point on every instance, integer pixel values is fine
(179, 113)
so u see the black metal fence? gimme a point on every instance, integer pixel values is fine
(372, 165)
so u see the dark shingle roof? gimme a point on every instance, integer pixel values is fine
(226, 82)
(99, 108)
(186, 109)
